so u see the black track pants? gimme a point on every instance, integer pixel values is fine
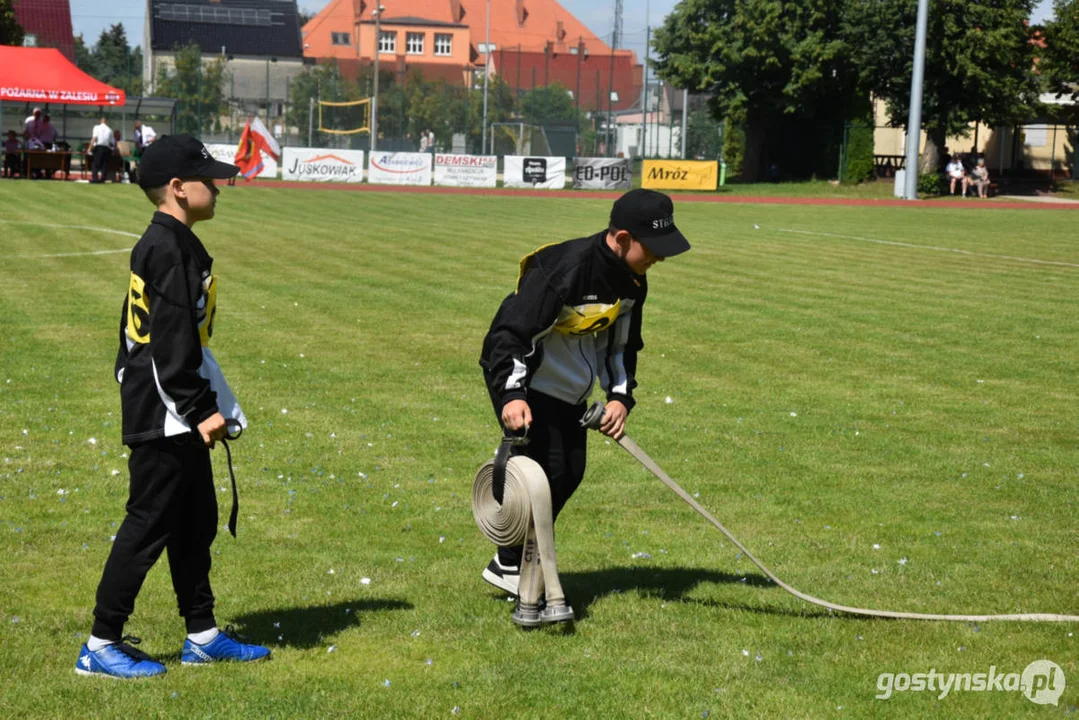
(558, 443)
(172, 506)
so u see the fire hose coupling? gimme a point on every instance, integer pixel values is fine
(593, 416)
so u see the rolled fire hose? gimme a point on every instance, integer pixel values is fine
(594, 415)
(523, 517)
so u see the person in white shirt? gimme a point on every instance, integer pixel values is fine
(32, 125)
(956, 173)
(100, 150)
(144, 135)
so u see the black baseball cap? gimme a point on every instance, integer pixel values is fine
(649, 216)
(179, 156)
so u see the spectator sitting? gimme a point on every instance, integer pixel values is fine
(11, 155)
(980, 178)
(47, 132)
(956, 173)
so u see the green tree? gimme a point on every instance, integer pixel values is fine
(11, 33)
(780, 66)
(84, 56)
(198, 88)
(553, 103)
(979, 63)
(1059, 62)
(115, 62)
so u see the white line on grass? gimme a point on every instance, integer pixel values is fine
(929, 247)
(71, 227)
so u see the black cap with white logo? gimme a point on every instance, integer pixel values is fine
(179, 156)
(649, 216)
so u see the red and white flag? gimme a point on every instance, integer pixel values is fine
(255, 140)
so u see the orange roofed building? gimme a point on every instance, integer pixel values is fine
(533, 42)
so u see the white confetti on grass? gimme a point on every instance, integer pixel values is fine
(365, 581)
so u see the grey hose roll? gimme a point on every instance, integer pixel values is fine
(524, 514)
(594, 415)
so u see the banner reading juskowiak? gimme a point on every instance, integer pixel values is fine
(591, 173)
(314, 165)
(466, 170)
(680, 174)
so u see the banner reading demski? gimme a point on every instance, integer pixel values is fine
(466, 170)
(602, 174)
(680, 174)
(400, 168)
(548, 173)
(321, 165)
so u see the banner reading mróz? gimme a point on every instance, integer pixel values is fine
(602, 174)
(680, 174)
(466, 170)
(548, 173)
(401, 168)
(321, 165)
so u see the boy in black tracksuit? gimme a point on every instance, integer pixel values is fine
(575, 317)
(176, 405)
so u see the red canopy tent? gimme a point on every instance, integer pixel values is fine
(44, 75)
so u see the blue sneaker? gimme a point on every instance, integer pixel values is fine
(119, 660)
(227, 646)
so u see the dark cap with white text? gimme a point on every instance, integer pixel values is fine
(179, 156)
(649, 216)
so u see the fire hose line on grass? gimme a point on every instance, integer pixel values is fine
(592, 419)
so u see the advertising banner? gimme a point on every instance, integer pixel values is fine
(680, 174)
(227, 153)
(400, 168)
(321, 165)
(602, 174)
(548, 173)
(466, 170)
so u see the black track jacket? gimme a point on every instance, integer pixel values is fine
(169, 379)
(574, 318)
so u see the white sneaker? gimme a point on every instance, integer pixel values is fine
(503, 577)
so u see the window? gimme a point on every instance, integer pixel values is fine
(414, 43)
(443, 44)
(387, 42)
(341, 38)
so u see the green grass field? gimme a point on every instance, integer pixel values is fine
(824, 394)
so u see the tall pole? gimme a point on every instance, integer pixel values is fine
(685, 111)
(267, 93)
(374, 98)
(486, 76)
(610, 104)
(914, 121)
(577, 93)
(644, 101)
(310, 120)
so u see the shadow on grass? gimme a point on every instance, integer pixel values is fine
(671, 585)
(307, 627)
